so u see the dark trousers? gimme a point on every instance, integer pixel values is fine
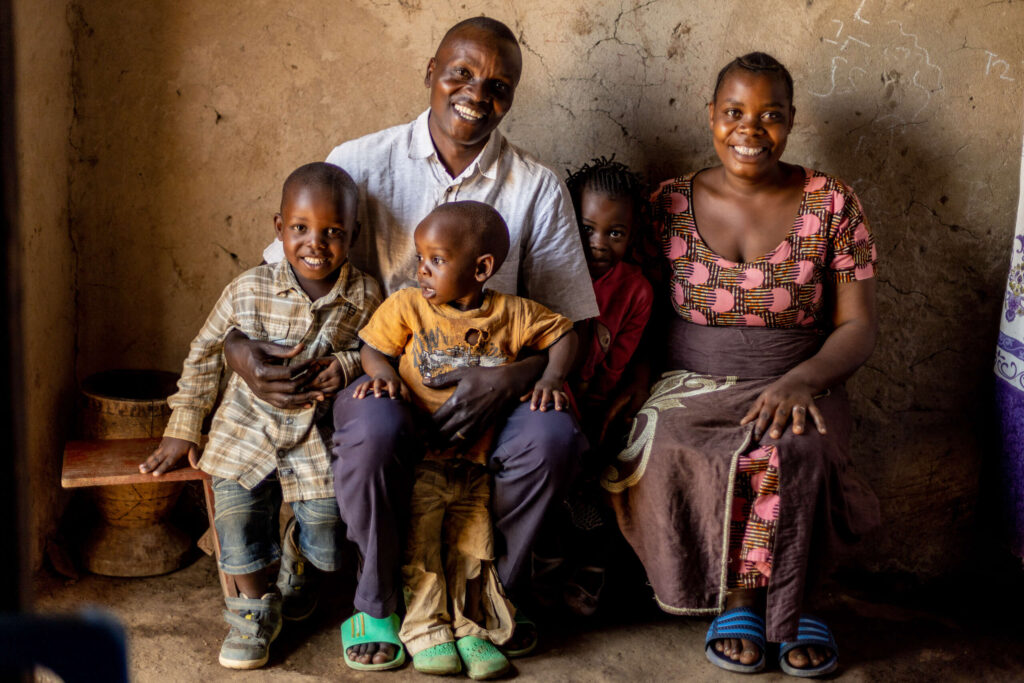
(535, 457)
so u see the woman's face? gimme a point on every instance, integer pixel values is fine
(750, 120)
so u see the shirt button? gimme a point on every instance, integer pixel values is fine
(290, 421)
(281, 453)
(287, 472)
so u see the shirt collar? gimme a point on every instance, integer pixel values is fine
(348, 287)
(486, 162)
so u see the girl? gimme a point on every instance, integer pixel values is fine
(610, 209)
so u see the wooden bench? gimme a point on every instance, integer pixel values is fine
(135, 538)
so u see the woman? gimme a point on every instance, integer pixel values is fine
(736, 480)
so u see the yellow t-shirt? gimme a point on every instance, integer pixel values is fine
(432, 340)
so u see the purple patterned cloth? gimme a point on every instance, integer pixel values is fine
(1009, 369)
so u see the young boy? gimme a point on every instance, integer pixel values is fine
(258, 454)
(450, 321)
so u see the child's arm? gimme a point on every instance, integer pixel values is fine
(324, 376)
(384, 378)
(548, 388)
(169, 452)
(328, 375)
(197, 389)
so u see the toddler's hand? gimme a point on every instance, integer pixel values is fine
(392, 386)
(545, 392)
(169, 452)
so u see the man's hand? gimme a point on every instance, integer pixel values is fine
(169, 452)
(261, 365)
(481, 396)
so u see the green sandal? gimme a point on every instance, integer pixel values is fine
(483, 661)
(441, 660)
(525, 621)
(362, 628)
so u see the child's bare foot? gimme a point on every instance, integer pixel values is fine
(741, 650)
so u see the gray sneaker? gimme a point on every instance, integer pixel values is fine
(297, 579)
(254, 625)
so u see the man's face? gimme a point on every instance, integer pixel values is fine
(472, 81)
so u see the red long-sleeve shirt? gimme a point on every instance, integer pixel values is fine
(624, 297)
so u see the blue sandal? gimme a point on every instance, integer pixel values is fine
(738, 622)
(812, 632)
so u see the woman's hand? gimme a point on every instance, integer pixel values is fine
(169, 452)
(481, 396)
(855, 327)
(784, 400)
(261, 366)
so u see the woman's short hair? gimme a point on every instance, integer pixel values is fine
(757, 63)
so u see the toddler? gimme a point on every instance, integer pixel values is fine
(258, 454)
(456, 607)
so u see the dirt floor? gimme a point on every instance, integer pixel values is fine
(174, 632)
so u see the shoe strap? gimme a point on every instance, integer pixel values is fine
(253, 628)
(738, 622)
(812, 632)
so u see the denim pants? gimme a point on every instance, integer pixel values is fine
(249, 531)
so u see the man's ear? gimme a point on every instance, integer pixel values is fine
(278, 225)
(711, 115)
(484, 267)
(431, 65)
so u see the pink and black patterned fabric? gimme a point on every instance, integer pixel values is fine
(829, 242)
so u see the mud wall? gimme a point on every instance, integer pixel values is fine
(43, 48)
(189, 114)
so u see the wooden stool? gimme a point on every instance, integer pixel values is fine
(135, 538)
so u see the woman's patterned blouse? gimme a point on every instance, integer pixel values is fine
(829, 242)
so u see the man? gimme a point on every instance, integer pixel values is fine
(450, 152)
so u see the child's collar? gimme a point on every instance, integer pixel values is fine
(346, 287)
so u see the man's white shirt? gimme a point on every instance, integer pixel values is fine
(401, 180)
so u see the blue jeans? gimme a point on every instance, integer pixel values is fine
(249, 531)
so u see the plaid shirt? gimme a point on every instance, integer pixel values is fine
(249, 438)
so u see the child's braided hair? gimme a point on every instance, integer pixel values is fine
(612, 178)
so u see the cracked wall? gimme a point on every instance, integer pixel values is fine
(190, 114)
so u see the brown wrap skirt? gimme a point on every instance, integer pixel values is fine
(672, 486)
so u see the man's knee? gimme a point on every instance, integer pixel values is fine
(550, 443)
(370, 434)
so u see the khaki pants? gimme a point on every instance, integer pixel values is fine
(451, 585)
